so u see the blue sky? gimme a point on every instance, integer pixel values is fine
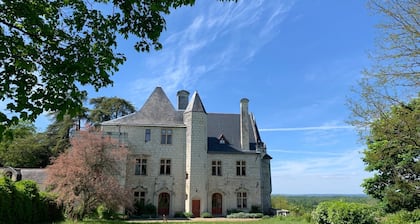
(294, 60)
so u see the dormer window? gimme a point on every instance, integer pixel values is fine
(222, 140)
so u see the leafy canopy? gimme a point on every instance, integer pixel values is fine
(393, 153)
(106, 109)
(51, 49)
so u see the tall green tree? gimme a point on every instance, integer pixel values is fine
(394, 76)
(393, 154)
(51, 49)
(22, 146)
(106, 109)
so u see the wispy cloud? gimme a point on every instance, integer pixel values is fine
(312, 128)
(213, 40)
(325, 164)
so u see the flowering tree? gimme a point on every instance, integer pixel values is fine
(88, 175)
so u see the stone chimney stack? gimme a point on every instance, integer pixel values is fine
(244, 120)
(182, 99)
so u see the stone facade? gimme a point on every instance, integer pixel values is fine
(188, 160)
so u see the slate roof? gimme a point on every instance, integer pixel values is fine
(156, 111)
(159, 111)
(227, 125)
(196, 105)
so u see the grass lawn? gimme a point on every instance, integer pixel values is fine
(281, 220)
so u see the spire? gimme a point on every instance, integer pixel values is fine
(195, 104)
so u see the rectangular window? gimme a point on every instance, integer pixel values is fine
(147, 135)
(140, 197)
(166, 136)
(241, 200)
(165, 167)
(240, 168)
(141, 167)
(216, 168)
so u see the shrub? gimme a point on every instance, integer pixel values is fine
(244, 215)
(21, 202)
(233, 210)
(402, 217)
(206, 215)
(145, 210)
(255, 209)
(339, 212)
(106, 213)
(188, 214)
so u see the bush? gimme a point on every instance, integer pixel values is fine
(244, 215)
(255, 209)
(188, 214)
(339, 212)
(233, 210)
(402, 217)
(21, 202)
(147, 210)
(206, 215)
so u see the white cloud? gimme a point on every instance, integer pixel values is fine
(219, 36)
(312, 128)
(334, 169)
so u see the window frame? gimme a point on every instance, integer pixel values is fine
(240, 168)
(147, 135)
(140, 167)
(216, 168)
(166, 136)
(165, 167)
(241, 199)
(140, 197)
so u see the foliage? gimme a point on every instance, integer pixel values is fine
(394, 76)
(255, 209)
(402, 217)
(206, 215)
(86, 175)
(50, 49)
(21, 202)
(393, 153)
(144, 210)
(339, 212)
(106, 109)
(21, 146)
(244, 215)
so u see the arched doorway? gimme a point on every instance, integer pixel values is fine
(216, 204)
(163, 204)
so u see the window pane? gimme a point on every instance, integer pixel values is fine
(169, 139)
(147, 135)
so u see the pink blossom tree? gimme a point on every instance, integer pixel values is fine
(89, 174)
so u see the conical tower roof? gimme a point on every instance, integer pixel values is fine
(195, 105)
(156, 111)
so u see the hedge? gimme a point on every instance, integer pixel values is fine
(339, 212)
(21, 202)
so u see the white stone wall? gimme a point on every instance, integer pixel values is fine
(196, 157)
(153, 183)
(229, 183)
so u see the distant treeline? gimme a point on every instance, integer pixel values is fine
(307, 203)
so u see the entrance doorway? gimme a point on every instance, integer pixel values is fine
(163, 204)
(216, 204)
(196, 208)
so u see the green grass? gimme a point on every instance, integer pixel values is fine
(281, 220)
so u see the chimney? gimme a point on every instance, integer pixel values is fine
(182, 99)
(244, 120)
